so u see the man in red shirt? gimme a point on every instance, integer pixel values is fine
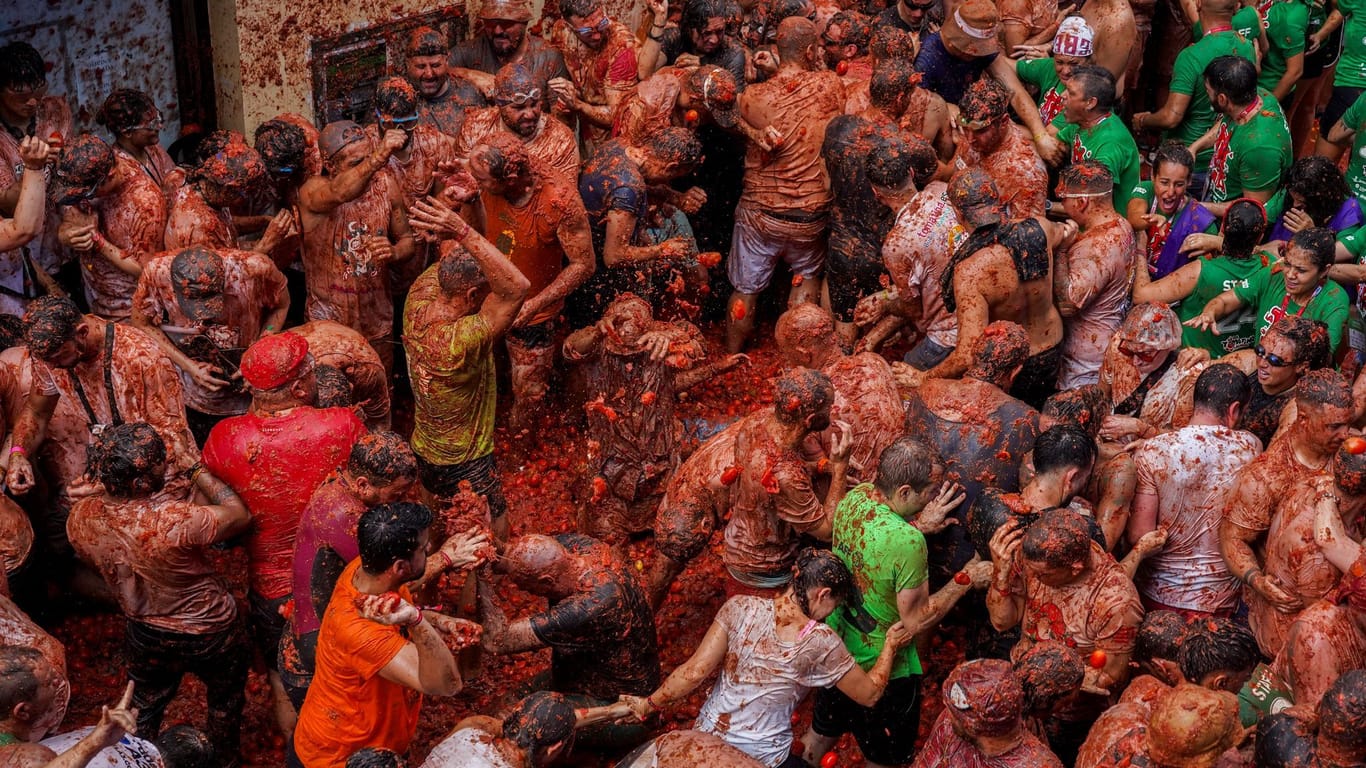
(275, 456)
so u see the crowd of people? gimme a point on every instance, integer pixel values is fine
(1061, 454)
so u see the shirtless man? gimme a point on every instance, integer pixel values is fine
(346, 350)
(1324, 403)
(537, 219)
(773, 501)
(1115, 37)
(502, 39)
(203, 308)
(1327, 640)
(519, 108)
(201, 209)
(113, 217)
(1090, 275)
(866, 397)
(445, 96)
(988, 138)
(600, 54)
(354, 231)
(1003, 271)
(636, 368)
(783, 211)
(981, 432)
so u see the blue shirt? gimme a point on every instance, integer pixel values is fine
(946, 74)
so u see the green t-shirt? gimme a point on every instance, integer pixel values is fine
(1042, 74)
(1188, 77)
(1238, 330)
(1355, 119)
(1265, 293)
(1251, 156)
(1351, 71)
(1246, 22)
(1285, 23)
(1110, 144)
(887, 555)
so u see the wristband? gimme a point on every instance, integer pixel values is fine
(449, 562)
(1250, 574)
(651, 701)
(1040, 135)
(13, 449)
(416, 621)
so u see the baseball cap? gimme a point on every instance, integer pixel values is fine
(985, 696)
(338, 136)
(199, 283)
(275, 360)
(85, 164)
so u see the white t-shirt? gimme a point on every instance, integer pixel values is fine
(763, 679)
(919, 246)
(467, 748)
(1191, 472)
(130, 752)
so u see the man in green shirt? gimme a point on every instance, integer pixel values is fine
(1251, 140)
(1187, 115)
(1094, 132)
(874, 536)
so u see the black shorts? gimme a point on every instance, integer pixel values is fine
(885, 731)
(1342, 99)
(265, 624)
(444, 480)
(297, 659)
(1326, 56)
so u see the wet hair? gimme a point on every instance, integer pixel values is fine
(50, 322)
(1174, 153)
(18, 682)
(887, 86)
(185, 746)
(795, 36)
(1085, 406)
(1048, 671)
(908, 461)
(334, 389)
(1309, 337)
(856, 27)
(800, 393)
(1233, 77)
(11, 331)
(1059, 538)
(1002, 347)
(125, 109)
(540, 720)
(888, 43)
(216, 142)
(580, 8)
(389, 533)
(1095, 82)
(696, 13)
(985, 101)
(1320, 185)
(1282, 742)
(1063, 446)
(1318, 242)
(374, 757)
(896, 157)
(1216, 645)
(382, 457)
(1244, 227)
(459, 272)
(1159, 636)
(1086, 177)
(21, 66)
(1342, 712)
(1323, 387)
(816, 568)
(395, 96)
(506, 157)
(124, 454)
(676, 146)
(1220, 386)
(281, 144)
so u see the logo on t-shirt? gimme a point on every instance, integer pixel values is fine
(1051, 106)
(1218, 165)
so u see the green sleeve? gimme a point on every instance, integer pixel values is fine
(915, 559)
(1336, 320)
(1143, 190)
(1274, 208)
(1355, 115)
(1068, 132)
(1247, 23)
(1251, 294)
(1039, 73)
(1187, 73)
(1354, 240)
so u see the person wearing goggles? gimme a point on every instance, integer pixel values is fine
(601, 56)
(519, 105)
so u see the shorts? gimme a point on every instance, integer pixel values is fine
(885, 731)
(760, 240)
(853, 270)
(1338, 104)
(927, 354)
(443, 480)
(298, 659)
(266, 625)
(1326, 56)
(1038, 378)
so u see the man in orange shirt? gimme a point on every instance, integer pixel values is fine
(377, 652)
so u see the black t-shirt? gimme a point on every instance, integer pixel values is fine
(728, 55)
(602, 638)
(1262, 415)
(857, 218)
(477, 53)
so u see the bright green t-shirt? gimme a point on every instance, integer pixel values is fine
(1188, 77)
(1110, 144)
(1246, 22)
(1265, 292)
(1351, 71)
(1355, 119)
(887, 555)
(1285, 23)
(1252, 156)
(1042, 74)
(1238, 330)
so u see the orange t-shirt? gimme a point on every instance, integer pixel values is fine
(349, 706)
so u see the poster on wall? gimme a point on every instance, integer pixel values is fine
(347, 67)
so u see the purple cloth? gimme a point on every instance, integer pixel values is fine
(1193, 218)
(1348, 216)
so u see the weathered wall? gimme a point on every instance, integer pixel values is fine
(95, 46)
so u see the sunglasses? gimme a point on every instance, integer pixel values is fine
(1276, 361)
(519, 99)
(401, 122)
(155, 124)
(918, 6)
(28, 92)
(601, 25)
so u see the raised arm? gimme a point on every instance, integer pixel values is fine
(323, 194)
(28, 211)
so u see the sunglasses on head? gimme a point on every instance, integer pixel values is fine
(519, 99)
(1276, 361)
(401, 122)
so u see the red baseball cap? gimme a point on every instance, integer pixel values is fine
(274, 361)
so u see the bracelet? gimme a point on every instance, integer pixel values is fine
(449, 562)
(13, 449)
(651, 701)
(416, 621)
(1250, 574)
(1040, 135)
(195, 470)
